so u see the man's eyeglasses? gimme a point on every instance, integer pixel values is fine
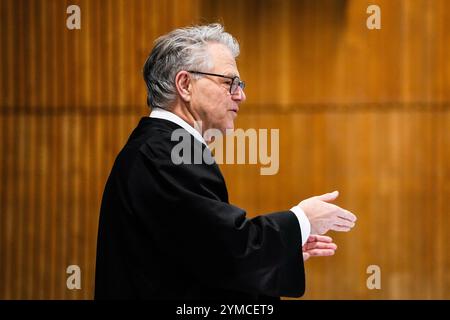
(235, 81)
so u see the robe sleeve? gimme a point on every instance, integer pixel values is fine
(182, 209)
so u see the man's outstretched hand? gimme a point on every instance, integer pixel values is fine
(318, 246)
(325, 216)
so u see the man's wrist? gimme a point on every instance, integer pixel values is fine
(305, 225)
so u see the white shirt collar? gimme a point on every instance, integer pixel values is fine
(160, 113)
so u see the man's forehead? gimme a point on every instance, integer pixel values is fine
(223, 59)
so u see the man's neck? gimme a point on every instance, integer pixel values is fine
(172, 117)
(185, 114)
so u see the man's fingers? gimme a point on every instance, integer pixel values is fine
(347, 215)
(316, 237)
(321, 252)
(340, 228)
(305, 256)
(344, 223)
(320, 245)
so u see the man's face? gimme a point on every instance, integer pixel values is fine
(211, 99)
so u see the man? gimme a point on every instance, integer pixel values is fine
(167, 231)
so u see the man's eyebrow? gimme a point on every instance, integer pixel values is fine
(231, 74)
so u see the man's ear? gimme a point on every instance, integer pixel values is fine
(184, 85)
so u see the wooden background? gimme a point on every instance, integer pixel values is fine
(362, 111)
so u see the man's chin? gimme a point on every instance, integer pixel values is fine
(229, 130)
(226, 130)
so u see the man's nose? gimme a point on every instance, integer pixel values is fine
(239, 95)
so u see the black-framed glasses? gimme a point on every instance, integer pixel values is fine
(235, 81)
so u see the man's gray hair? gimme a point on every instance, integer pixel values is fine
(181, 49)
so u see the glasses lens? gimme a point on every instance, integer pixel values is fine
(235, 85)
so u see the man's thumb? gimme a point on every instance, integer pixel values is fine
(329, 196)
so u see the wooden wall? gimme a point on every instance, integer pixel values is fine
(362, 111)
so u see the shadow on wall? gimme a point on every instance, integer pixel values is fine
(250, 17)
(295, 43)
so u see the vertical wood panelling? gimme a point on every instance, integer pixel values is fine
(63, 119)
(365, 112)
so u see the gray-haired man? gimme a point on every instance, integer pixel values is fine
(168, 231)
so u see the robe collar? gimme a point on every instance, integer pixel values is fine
(160, 113)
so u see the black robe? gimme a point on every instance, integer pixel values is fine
(167, 231)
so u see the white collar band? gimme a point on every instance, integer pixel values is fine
(160, 113)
